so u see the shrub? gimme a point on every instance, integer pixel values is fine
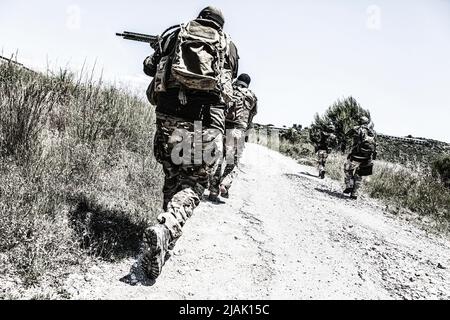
(441, 169)
(344, 115)
(66, 144)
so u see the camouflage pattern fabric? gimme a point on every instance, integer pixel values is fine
(322, 156)
(184, 183)
(233, 144)
(353, 179)
(243, 108)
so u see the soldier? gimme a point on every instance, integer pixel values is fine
(359, 161)
(323, 144)
(238, 121)
(192, 68)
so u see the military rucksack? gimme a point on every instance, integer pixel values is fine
(366, 141)
(199, 58)
(243, 101)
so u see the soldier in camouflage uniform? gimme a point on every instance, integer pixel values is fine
(238, 121)
(324, 141)
(194, 120)
(359, 161)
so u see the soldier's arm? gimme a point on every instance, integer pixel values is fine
(167, 44)
(375, 152)
(151, 64)
(233, 60)
(253, 113)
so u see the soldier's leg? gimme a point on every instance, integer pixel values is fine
(193, 180)
(215, 180)
(229, 175)
(322, 156)
(349, 172)
(319, 160)
(171, 183)
(357, 186)
(234, 152)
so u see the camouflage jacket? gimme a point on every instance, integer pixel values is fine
(324, 141)
(243, 109)
(358, 135)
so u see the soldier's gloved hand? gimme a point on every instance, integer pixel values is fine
(150, 66)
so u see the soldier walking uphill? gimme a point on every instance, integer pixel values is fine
(239, 117)
(359, 161)
(193, 70)
(324, 141)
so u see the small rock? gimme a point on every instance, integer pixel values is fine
(440, 266)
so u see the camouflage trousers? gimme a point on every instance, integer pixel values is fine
(322, 156)
(189, 155)
(353, 179)
(226, 172)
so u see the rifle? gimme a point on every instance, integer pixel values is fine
(154, 41)
(140, 37)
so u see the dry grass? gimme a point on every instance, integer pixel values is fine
(75, 164)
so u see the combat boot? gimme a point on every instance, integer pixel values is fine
(224, 192)
(155, 249)
(349, 187)
(214, 198)
(348, 190)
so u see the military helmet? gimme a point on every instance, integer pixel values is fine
(214, 14)
(364, 120)
(244, 80)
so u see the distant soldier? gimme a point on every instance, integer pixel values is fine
(192, 69)
(359, 161)
(239, 118)
(324, 141)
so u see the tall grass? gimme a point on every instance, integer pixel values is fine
(75, 164)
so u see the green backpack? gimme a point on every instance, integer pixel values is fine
(199, 59)
(366, 144)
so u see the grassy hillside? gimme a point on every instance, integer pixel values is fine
(77, 177)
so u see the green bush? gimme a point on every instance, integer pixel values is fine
(344, 115)
(441, 169)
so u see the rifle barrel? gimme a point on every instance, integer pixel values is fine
(138, 37)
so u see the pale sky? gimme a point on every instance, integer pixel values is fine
(393, 56)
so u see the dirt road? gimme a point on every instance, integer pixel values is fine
(284, 234)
